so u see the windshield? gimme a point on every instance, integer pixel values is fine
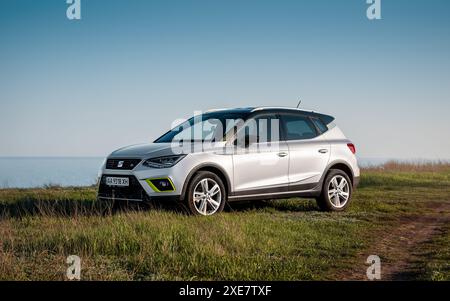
(206, 127)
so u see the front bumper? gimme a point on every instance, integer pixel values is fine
(137, 191)
(134, 192)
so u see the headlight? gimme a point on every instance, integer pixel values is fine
(163, 162)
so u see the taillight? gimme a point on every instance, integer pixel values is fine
(352, 147)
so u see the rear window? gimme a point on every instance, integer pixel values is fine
(298, 127)
(320, 125)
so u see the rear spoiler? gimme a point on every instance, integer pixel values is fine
(327, 119)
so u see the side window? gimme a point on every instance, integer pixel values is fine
(268, 128)
(320, 125)
(298, 127)
(265, 128)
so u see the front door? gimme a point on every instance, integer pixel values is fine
(261, 161)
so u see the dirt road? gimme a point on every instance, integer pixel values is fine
(400, 248)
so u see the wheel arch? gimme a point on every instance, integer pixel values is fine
(341, 165)
(211, 167)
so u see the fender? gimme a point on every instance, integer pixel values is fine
(205, 166)
(330, 165)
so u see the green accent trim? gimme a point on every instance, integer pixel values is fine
(149, 182)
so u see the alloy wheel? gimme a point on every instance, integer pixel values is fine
(207, 196)
(338, 191)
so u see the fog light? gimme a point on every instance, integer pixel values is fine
(161, 185)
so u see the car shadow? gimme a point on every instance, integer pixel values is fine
(273, 205)
(35, 207)
(74, 208)
(88, 207)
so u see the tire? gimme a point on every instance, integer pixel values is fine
(332, 199)
(209, 203)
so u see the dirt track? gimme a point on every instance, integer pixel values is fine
(400, 248)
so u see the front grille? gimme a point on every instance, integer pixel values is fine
(132, 192)
(122, 164)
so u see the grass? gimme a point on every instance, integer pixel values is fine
(435, 257)
(273, 240)
(416, 166)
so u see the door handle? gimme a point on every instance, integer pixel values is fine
(282, 154)
(323, 151)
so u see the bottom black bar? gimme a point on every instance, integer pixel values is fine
(212, 290)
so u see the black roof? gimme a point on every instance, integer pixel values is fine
(325, 118)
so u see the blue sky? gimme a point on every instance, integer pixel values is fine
(127, 69)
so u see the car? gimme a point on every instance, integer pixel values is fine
(240, 154)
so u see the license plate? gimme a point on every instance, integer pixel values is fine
(115, 181)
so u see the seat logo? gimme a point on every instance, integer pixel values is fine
(120, 164)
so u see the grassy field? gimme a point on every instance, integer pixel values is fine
(272, 240)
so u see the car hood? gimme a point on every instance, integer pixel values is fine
(156, 150)
(143, 150)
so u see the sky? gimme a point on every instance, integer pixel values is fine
(124, 72)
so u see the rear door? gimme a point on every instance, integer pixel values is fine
(309, 153)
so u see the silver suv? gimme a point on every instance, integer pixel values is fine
(237, 154)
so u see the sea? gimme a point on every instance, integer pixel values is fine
(31, 172)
